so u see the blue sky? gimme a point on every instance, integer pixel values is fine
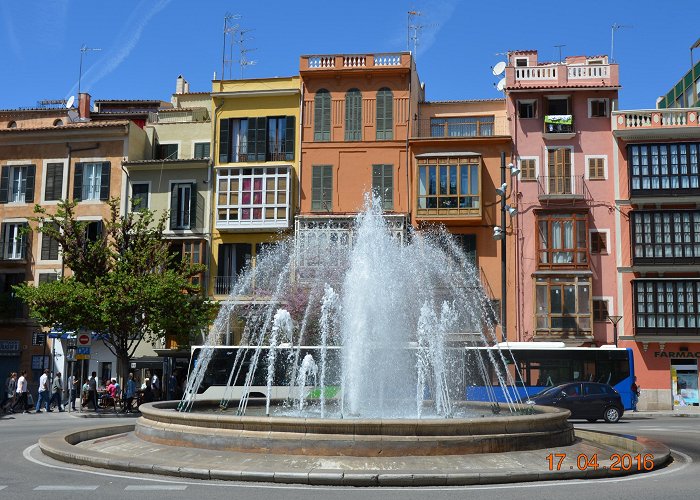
(147, 43)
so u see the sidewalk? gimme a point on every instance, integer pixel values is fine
(684, 411)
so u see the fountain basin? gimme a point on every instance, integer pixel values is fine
(546, 428)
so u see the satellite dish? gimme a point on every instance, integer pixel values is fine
(499, 68)
(501, 84)
(70, 101)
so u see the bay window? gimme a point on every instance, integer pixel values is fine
(449, 186)
(562, 240)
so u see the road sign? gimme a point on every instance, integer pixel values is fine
(84, 339)
(82, 356)
(82, 350)
(38, 338)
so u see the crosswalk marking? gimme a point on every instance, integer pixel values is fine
(163, 487)
(58, 487)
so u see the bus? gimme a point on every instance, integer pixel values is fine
(532, 367)
(536, 366)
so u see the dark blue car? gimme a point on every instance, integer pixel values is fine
(585, 400)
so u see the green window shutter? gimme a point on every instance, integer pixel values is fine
(29, 190)
(78, 182)
(254, 152)
(353, 115)
(322, 188)
(174, 205)
(4, 184)
(385, 110)
(388, 188)
(327, 188)
(322, 116)
(104, 181)
(45, 246)
(261, 139)
(54, 182)
(224, 140)
(289, 139)
(24, 240)
(193, 205)
(3, 242)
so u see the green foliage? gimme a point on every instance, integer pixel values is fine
(125, 284)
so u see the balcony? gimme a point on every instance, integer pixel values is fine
(335, 62)
(675, 123)
(562, 76)
(562, 187)
(223, 285)
(12, 308)
(461, 127)
(559, 127)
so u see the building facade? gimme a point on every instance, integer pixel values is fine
(559, 115)
(256, 162)
(657, 183)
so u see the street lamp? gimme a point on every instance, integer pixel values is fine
(615, 320)
(499, 234)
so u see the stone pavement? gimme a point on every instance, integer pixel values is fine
(593, 455)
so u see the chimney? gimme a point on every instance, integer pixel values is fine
(187, 87)
(180, 85)
(84, 106)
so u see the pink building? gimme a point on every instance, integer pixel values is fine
(564, 272)
(657, 185)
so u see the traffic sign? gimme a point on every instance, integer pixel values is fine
(82, 356)
(84, 339)
(82, 350)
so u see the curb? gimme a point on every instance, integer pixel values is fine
(62, 447)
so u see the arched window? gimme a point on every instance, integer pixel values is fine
(322, 116)
(353, 115)
(385, 114)
(12, 124)
(58, 122)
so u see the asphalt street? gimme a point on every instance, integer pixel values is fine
(26, 473)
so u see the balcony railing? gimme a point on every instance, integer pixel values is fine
(461, 127)
(655, 119)
(179, 116)
(351, 61)
(561, 187)
(223, 285)
(12, 308)
(560, 75)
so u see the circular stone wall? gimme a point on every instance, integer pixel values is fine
(547, 427)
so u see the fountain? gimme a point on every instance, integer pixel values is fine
(391, 305)
(378, 401)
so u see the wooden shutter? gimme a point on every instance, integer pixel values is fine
(78, 182)
(385, 108)
(174, 205)
(45, 246)
(327, 188)
(193, 205)
(224, 140)
(353, 115)
(5, 185)
(24, 240)
(322, 116)
(29, 189)
(3, 236)
(54, 182)
(256, 138)
(104, 181)
(289, 139)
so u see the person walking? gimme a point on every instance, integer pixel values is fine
(72, 390)
(130, 393)
(57, 392)
(155, 386)
(43, 395)
(92, 391)
(22, 392)
(11, 389)
(635, 394)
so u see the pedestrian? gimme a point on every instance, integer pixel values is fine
(72, 390)
(22, 392)
(635, 394)
(130, 393)
(57, 392)
(155, 386)
(11, 389)
(43, 395)
(92, 391)
(85, 393)
(172, 386)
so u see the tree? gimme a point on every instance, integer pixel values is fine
(125, 284)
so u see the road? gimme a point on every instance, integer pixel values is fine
(26, 473)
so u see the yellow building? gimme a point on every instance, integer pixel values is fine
(256, 159)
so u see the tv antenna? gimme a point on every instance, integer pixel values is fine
(613, 29)
(414, 30)
(83, 50)
(243, 60)
(559, 47)
(230, 28)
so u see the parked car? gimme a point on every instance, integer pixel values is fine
(585, 400)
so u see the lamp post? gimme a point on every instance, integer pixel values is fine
(499, 233)
(615, 320)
